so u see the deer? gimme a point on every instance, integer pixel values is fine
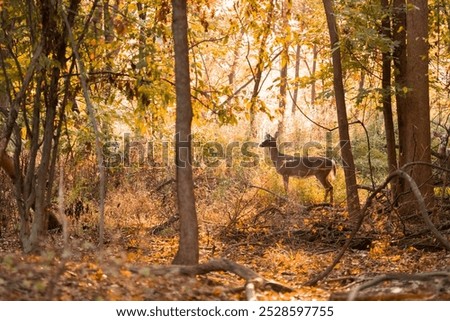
(322, 168)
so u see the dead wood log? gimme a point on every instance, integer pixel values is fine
(253, 280)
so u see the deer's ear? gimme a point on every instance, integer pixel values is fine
(267, 137)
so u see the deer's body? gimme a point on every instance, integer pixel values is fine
(320, 167)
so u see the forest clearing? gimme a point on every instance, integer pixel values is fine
(224, 150)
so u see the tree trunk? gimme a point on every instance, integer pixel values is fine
(235, 62)
(414, 116)
(387, 101)
(257, 74)
(33, 188)
(313, 74)
(95, 128)
(188, 250)
(399, 56)
(344, 136)
(285, 16)
(296, 75)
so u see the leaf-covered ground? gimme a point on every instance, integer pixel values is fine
(281, 240)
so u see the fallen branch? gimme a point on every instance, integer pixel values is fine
(383, 296)
(161, 227)
(166, 182)
(319, 205)
(422, 208)
(396, 276)
(355, 230)
(253, 280)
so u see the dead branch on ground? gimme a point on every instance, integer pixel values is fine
(166, 182)
(253, 280)
(161, 227)
(422, 208)
(319, 205)
(422, 277)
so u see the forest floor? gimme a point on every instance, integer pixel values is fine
(278, 239)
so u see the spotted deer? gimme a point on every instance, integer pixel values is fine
(289, 166)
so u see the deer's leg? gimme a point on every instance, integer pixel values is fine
(329, 191)
(327, 186)
(286, 183)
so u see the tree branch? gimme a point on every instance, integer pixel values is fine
(253, 280)
(395, 276)
(422, 208)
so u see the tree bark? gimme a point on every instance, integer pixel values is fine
(387, 101)
(296, 75)
(188, 250)
(284, 57)
(344, 136)
(95, 128)
(399, 56)
(414, 115)
(257, 75)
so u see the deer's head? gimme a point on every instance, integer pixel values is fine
(269, 141)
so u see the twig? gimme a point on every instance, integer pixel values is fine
(270, 192)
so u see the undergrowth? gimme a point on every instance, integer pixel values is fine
(244, 215)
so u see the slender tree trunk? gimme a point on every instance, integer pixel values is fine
(313, 74)
(296, 75)
(399, 55)
(12, 165)
(285, 16)
(143, 99)
(257, 75)
(235, 63)
(188, 250)
(95, 128)
(54, 36)
(387, 100)
(344, 136)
